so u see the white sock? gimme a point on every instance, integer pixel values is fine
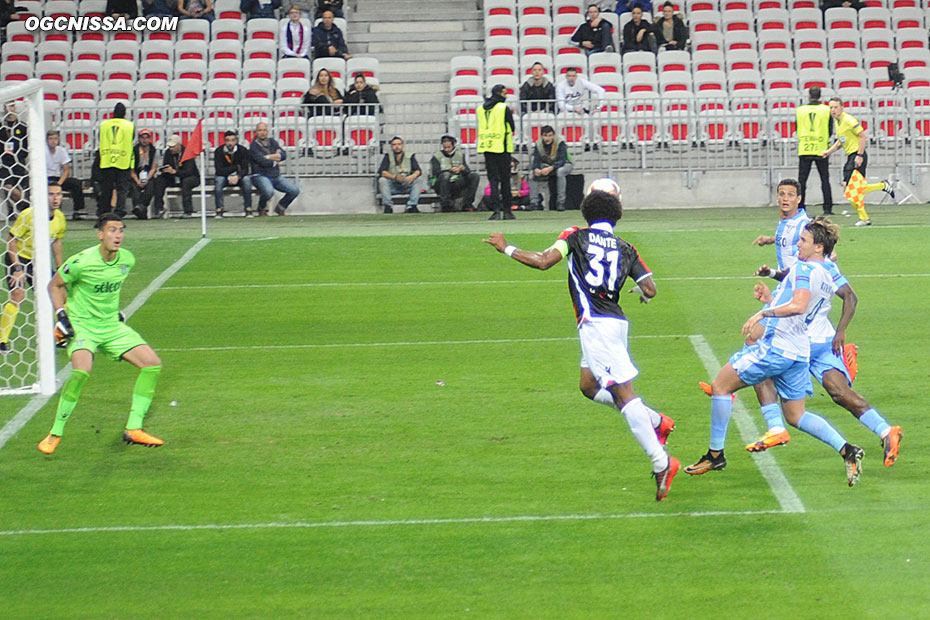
(637, 416)
(604, 397)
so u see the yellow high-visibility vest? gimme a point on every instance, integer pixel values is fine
(116, 135)
(494, 134)
(813, 128)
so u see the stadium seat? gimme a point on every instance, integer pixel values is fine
(775, 39)
(463, 120)
(128, 36)
(607, 125)
(68, 37)
(574, 128)
(894, 4)
(705, 21)
(47, 50)
(914, 57)
(157, 50)
(744, 79)
(845, 59)
(156, 69)
(85, 91)
(265, 49)
(740, 40)
(780, 82)
(562, 44)
(878, 58)
(361, 131)
(122, 50)
(227, 30)
(54, 93)
(714, 119)
(20, 51)
(501, 46)
(335, 66)
(816, 77)
(874, 17)
(366, 65)
(324, 135)
(497, 66)
(536, 45)
(707, 59)
(532, 7)
(610, 82)
(190, 49)
(467, 65)
(460, 85)
(574, 8)
(57, 70)
(736, 19)
(113, 91)
(294, 68)
(225, 50)
(675, 83)
(60, 8)
(16, 31)
(710, 81)
(749, 116)
(190, 69)
(907, 17)
(604, 62)
(692, 6)
(193, 30)
(817, 59)
(810, 39)
(291, 90)
(258, 68)
(850, 77)
(161, 35)
(919, 106)
(877, 38)
(736, 5)
(844, 38)
(759, 5)
(783, 117)
(566, 24)
(708, 41)
(535, 25)
(262, 28)
(878, 80)
(772, 19)
(224, 69)
(907, 38)
(153, 91)
(639, 62)
(500, 26)
(88, 50)
(673, 60)
(742, 59)
(21, 70)
(856, 101)
(512, 88)
(500, 7)
(227, 10)
(840, 18)
(916, 77)
(805, 19)
(78, 124)
(642, 82)
(803, 4)
(186, 92)
(120, 70)
(677, 110)
(644, 121)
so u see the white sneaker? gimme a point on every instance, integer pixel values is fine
(861, 223)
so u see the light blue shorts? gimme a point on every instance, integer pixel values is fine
(823, 359)
(759, 362)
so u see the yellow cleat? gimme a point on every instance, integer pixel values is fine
(769, 440)
(48, 445)
(140, 437)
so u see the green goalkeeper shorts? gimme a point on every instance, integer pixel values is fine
(111, 338)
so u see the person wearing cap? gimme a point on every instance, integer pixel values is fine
(174, 173)
(143, 175)
(116, 160)
(495, 140)
(399, 173)
(451, 177)
(233, 167)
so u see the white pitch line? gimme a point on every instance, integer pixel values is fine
(491, 282)
(387, 523)
(25, 414)
(423, 343)
(765, 461)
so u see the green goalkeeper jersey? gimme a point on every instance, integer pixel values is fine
(94, 285)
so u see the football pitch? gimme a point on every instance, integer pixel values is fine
(379, 417)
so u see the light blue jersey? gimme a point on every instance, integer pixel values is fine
(820, 329)
(788, 335)
(786, 239)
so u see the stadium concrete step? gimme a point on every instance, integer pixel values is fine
(449, 44)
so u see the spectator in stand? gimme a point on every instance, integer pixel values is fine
(122, 8)
(8, 13)
(537, 93)
(323, 98)
(570, 93)
(361, 92)
(329, 5)
(295, 36)
(519, 190)
(550, 161)
(173, 173)
(451, 177)
(14, 176)
(267, 154)
(638, 35)
(196, 9)
(596, 34)
(58, 168)
(328, 41)
(143, 175)
(626, 6)
(670, 30)
(833, 4)
(232, 163)
(306, 8)
(400, 173)
(255, 9)
(159, 8)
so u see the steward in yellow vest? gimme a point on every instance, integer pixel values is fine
(116, 160)
(814, 128)
(495, 140)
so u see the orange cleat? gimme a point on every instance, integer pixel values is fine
(664, 478)
(707, 463)
(851, 360)
(48, 445)
(891, 443)
(705, 387)
(140, 437)
(769, 440)
(664, 429)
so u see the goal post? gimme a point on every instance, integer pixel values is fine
(28, 364)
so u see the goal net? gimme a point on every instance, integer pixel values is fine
(27, 353)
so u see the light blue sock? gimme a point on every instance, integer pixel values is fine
(874, 421)
(772, 415)
(814, 425)
(720, 409)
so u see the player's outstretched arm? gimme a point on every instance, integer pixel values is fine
(848, 295)
(58, 291)
(763, 240)
(537, 260)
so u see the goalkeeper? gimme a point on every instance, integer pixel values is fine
(85, 295)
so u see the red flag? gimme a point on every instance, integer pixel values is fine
(194, 143)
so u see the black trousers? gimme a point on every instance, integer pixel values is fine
(187, 185)
(823, 169)
(465, 185)
(498, 169)
(110, 179)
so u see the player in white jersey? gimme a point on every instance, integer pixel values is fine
(826, 360)
(782, 354)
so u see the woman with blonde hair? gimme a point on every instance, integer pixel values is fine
(323, 98)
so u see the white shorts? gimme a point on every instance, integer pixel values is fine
(604, 350)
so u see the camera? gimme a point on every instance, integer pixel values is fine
(895, 75)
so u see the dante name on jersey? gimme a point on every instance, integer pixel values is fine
(598, 265)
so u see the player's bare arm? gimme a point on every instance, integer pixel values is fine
(646, 289)
(58, 290)
(538, 260)
(761, 292)
(57, 253)
(763, 240)
(848, 295)
(797, 305)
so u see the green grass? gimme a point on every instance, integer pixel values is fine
(333, 457)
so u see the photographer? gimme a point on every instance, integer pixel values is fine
(176, 174)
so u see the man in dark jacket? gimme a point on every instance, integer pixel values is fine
(596, 34)
(266, 155)
(671, 32)
(638, 35)
(329, 5)
(143, 174)
(550, 161)
(173, 173)
(327, 40)
(254, 9)
(452, 177)
(232, 163)
(538, 91)
(124, 8)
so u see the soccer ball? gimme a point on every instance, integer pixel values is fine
(605, 185)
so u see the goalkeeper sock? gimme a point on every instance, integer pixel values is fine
(68, 400)
(815, 426)
(604, 397)
(8, 320)
(772, 415)
(142, 396)
(874, 421)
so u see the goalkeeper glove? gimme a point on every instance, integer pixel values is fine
(63, 329)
